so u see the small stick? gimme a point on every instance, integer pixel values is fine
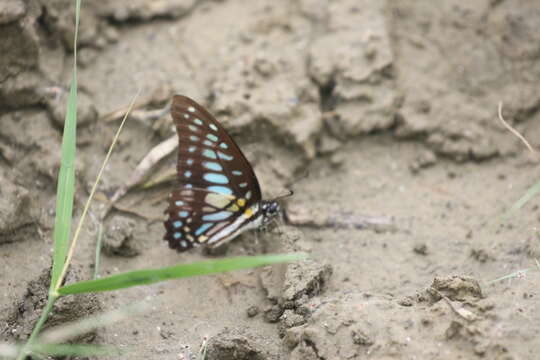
(98, 250)
(154, 156)
(464, 314)
(514, 131)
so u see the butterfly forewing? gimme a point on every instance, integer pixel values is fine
(203, 143)
(216, 183)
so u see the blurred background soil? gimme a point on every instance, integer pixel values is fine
(391, 107)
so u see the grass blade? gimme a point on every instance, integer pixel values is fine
(150, 276)
(66, 176)
(531, 192)
(516, 274)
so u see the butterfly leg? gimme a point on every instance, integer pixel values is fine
(279, 225)
(277, 222)
(257, 242)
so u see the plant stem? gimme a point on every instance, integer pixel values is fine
(98, 250)
(39, 325)
(90, 197)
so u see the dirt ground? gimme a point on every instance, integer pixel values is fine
(391, 109)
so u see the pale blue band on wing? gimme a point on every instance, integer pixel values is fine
(202, 228)
(220, 189)
(222, 215)
(212, 166)
(216, 178)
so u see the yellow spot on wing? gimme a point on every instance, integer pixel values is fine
(233, 208)
(248, 213)
(218, 200)
(241, 202)
(202, 238)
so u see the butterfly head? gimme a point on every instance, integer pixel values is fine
(270, 209)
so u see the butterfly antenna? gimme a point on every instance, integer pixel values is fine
(290, 193)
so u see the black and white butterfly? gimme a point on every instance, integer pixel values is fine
(218, 195)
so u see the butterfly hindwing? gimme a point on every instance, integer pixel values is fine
(217, 191)
(197, 216)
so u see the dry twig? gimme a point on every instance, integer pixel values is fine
(142, 170)
(515, 132)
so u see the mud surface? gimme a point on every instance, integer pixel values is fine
(391, 107)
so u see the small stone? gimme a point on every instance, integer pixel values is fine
(87, 56)
(292, 337)
(361, 338)
(252, 311)
(111, 34)
(273, 313)
(165, 334)
(406, 301)
(291, 319)
(453, 330)
(264, 67)
(424, 160)
(118, 237)
(480, 255)
(420, 249)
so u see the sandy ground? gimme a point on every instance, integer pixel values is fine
(390, 107)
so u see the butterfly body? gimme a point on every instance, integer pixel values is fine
(218, 196)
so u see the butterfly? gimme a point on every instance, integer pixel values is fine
(218, 195)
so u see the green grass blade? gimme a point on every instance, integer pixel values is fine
(531, 192)
(515, 274)
(66, 176)
(150, 276)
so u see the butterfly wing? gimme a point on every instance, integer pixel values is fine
(198, 216)
(217, 186)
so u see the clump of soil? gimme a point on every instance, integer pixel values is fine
(236, 345)
(20, 321)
